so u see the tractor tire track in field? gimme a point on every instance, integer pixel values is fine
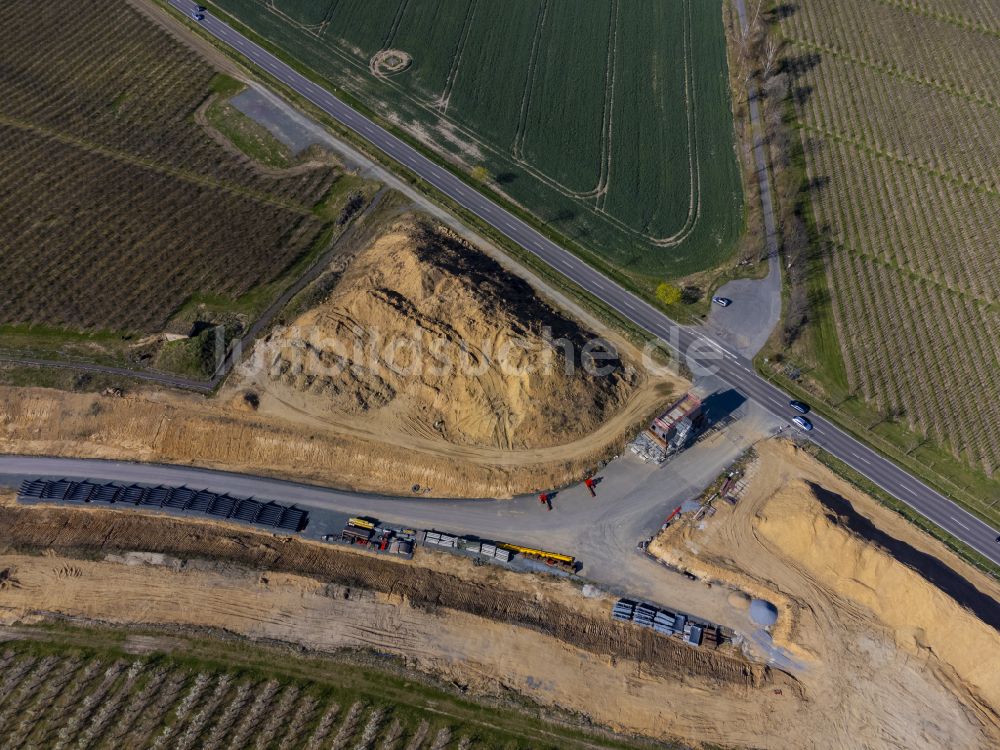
(610, 76)
(694, 154)
(390, 36)
(328, 17)
(517, 149)
(449, 85)
(314, 29)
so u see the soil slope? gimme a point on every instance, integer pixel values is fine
(490, 630)
(895, 635)
(430, 336)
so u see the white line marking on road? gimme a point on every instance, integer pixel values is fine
(960, 523)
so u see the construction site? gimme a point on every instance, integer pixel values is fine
(767, 638)
(411, 515)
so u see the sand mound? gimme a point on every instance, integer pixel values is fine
(738, 600)
(889, 634)
(423, 333)
(925, 620)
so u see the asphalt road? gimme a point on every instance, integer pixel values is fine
(756, 308)
(701, 351)
(632, 501)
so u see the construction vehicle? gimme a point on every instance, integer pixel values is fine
(555, 559)
(675, 513)
(361, 523)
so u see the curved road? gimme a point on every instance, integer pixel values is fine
(703, 353)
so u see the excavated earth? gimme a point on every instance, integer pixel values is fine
(425, 334)
(418, 362)
(895, 638)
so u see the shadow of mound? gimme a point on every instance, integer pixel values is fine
(933, 571)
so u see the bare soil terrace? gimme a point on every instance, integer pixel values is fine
(895, 634)
(487, 630)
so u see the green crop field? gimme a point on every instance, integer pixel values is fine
(609, 120)
(116, 207)
(902, 142)
(82, 688)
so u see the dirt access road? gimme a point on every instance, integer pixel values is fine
(633, 499)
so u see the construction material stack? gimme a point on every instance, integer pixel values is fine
(668, 623)
(377, 537)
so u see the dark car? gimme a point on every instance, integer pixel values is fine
(799, 406)
(802, 422)
(198, 16)
(722, 301)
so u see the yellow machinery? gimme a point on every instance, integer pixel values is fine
(361, 523)
(552, 558)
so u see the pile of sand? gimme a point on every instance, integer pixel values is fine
(894, 637)
(425, 334)
(924, 619)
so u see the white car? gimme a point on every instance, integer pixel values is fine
(722, 301)
(802, 422)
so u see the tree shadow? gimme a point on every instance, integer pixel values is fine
(931, 569)
(780, 12)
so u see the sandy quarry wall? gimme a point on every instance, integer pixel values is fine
(924, 619)
(185, 429)
(895, 636)
(537, 636)
(95, 531)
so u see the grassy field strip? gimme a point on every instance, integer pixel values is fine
(552, 131)
(553, 128)
(517, 148)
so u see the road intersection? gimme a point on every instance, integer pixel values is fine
(702, 352)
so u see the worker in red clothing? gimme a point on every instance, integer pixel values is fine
(545, 499)
(590, 486)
